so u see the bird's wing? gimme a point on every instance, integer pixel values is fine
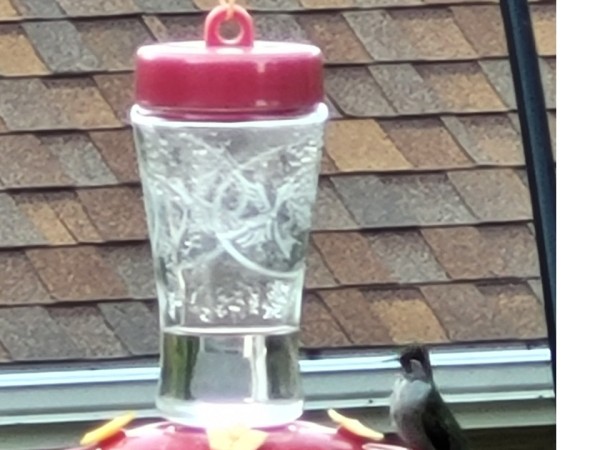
(441, 427)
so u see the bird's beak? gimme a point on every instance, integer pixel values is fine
(392, 358)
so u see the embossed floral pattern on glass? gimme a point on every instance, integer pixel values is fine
(229, 212)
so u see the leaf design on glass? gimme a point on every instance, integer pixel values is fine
(283, 237)
(268, 231)
(229, 215)
(253, 235)
(238, 198)
(278, 297)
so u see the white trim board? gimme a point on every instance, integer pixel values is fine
(486, 388)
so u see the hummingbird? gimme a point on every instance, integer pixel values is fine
(419, 415)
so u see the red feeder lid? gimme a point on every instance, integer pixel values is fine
(229, 76)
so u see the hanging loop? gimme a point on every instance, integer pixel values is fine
(220, 14)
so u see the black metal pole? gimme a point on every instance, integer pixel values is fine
(541, 170)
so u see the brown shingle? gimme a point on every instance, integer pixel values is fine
(79, 159)
(462, 87)
(465, 313)
(537, 289)
(134, 264)
(274, 5)
(406, 316)
(29, 104)
(322, 334)
(548, 73)
(514, 119)
(30, 334)
(352, 311)
(15, 229)
(313, 307)
(327, 165)
(4, 356)
(484, 252)
(89, 331)
(402, 200)
(519, 315)
(96, 8)
(407, 256)
(331, 33)
(381, 35)
(17, 56)
(361, 145)
(405, 89)
(24, 105)
(77, 273)
(318, 328)
(356, 93)
(493, 195)
(329, 212)
(25, 162)
(156, 28)
(38, 8)
(544, 26)
(498, 73)
(317, 273)
(552, 126)
(117, 150)
(70, 211)
(482, 25)
(350, 258)
(36, 208)
(279, 27)
(174, 28)
(170, 6)
(489, 139)
(433, 33)
(522, 174)
(516, 249)
(459, 251)
(7, 11)
(117, 213)
(19, 284)
(134, 324)
(61, 47)
(115, 41)
(117, 89)
(426, 143)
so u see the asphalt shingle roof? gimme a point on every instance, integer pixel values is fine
(423, 220)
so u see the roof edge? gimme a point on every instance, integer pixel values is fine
(486, 387)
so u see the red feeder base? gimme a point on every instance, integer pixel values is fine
(296, 436)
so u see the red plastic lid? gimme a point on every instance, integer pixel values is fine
(229, 76)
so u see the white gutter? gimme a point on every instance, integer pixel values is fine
(486, 389)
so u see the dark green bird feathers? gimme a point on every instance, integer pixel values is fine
(420, 416)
